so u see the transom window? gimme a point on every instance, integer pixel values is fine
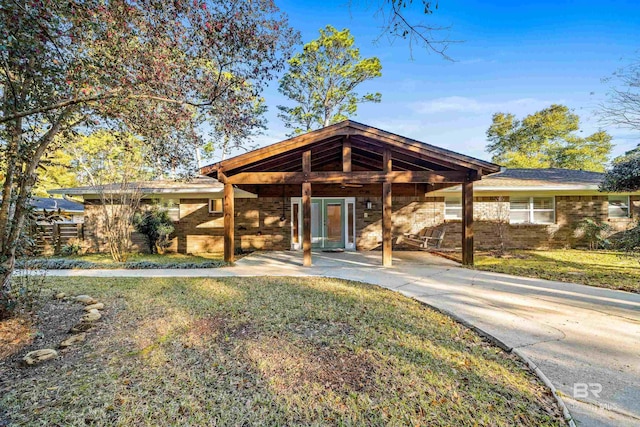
(618, 206)
(215, 205)
(532, 210)
(452, 208)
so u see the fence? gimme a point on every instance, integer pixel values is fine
(51, 237)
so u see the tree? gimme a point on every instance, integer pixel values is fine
(322, 79)
(624, 176)
(622, 107)
(546, 139)
(149, 67)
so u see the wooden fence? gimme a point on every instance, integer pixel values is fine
(51, 237)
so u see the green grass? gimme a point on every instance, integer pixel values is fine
(606, 269)
(273, 351)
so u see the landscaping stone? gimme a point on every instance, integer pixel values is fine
(81, 327)
(60, 295)
(37, 356)
(96, 306)
(74, 339)
(86, 299)
(91, 316)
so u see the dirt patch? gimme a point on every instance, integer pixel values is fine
(15, 334)
(216, 328)
(296, 368)
(49, 328)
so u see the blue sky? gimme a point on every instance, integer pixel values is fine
(516, 56)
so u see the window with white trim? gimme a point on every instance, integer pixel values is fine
(532, 210)
(452, 208)
(618, 206)
(215, 205)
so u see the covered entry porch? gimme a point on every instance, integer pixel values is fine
(322, 170)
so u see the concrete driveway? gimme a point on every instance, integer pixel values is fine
(586, 340)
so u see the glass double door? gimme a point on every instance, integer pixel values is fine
(332, 223)
(327, 223)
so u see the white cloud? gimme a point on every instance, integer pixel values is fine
(462, 104)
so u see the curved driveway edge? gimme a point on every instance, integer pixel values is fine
(585, 340)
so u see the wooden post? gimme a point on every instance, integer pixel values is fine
(467, 223)
(56, 238)
(229, 216)
(387, 223)
(346, 154)
(306, 211)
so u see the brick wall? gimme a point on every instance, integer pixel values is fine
(258, 225)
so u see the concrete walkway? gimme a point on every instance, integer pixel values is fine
(585, 339)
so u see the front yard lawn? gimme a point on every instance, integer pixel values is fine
(606, 269)
(266, 351)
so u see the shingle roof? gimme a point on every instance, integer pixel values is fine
(52, 204)
(551, 177)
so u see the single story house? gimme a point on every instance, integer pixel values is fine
(68, 211)
(354, 187)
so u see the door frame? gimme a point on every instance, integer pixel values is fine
(349, 240)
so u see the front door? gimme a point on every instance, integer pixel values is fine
(333, 224)
(332, 221)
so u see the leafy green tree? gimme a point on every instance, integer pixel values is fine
(624, 176)
(546, 139)
(322, 79)
(149, 68)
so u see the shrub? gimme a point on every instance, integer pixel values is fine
(594, 233)
(157, 226)
(70, 249)
(629, 241)
(24, 292)
(74, 264)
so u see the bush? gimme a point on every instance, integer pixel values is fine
(70, 249)
(156, 226)
(75, 264)
(629, 241)
(594, 233)
(24, 294)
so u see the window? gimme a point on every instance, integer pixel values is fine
(215, 205)
(618, 206)
(532, 210)
(452, 208)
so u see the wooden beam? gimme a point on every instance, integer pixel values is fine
(229, 216)
(386, 224)
(306, 162)
(467, 223)
(357, 177)
(346, 154)
(306, 224)
(386, 160)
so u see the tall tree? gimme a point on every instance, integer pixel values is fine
(546, 139)
(149, 67)
(322, 79)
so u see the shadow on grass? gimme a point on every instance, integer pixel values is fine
(282, 351)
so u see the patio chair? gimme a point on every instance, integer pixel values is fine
(429, 238)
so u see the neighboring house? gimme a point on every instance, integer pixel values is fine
(339, 182)
(68, 211)
(58, 221)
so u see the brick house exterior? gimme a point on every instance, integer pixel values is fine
(338, 183)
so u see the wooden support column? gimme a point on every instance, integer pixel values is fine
(229, 216)
(387, 222)
(346, 154)
(467, 223)
(306, 210)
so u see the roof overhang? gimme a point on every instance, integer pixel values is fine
(413, 160)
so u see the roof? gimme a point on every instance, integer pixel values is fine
(367, 145)
(549, 179)
(197, 185)
(53, 204)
